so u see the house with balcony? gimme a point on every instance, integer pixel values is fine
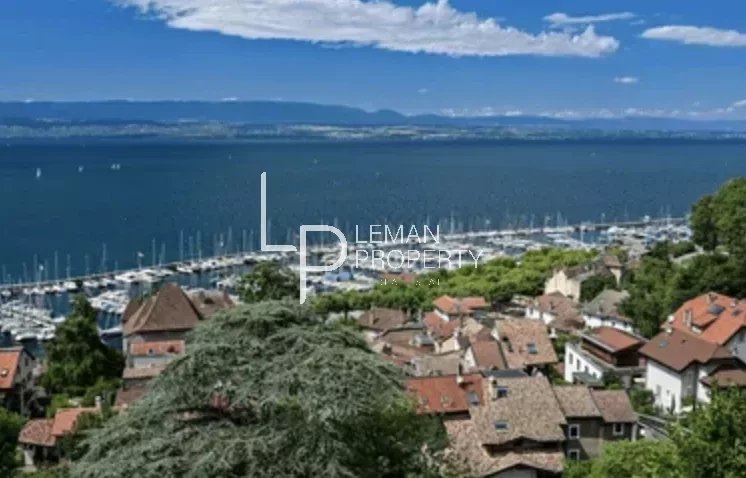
(602, 350)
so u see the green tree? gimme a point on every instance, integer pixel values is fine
(721, 219)
(76, 357)
(10, 427)
(267, 389)
(649, 286)
(638, 459)
(703, 224)
(710, 440)
(596, 284)
(269, 281)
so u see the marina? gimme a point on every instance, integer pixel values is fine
(30, 312)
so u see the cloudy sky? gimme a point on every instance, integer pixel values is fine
(581, 58)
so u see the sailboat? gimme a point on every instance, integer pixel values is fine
(38, 173)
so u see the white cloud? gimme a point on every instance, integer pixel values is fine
(559, 19)
(434, 27)
(423, 91)
(692, 35)
(626, 80)
(739, 104)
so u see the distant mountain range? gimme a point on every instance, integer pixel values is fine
(286, 113)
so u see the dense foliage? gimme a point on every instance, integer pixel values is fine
(269, 281)
(267, 390)
(596, 284)
(625, 459)
(710, 441)
(720, 219)
(498, 280)
(76, 358)
(660, 284)
(10, 427)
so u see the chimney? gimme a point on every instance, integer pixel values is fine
(493, 388)
(459, 376)
(710, 297)
(688, 318)
(98, 403)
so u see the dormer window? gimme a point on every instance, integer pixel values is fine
(531, 347)
(502, 392)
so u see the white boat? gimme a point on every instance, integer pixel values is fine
(70, 286)
(38, 173)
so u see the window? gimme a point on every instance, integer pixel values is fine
(473, 399)
(618, 429)
(573, 454)
(573, 431)
(501, 425)
(531, 347)
(502, 392)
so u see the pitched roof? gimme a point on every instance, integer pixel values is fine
(167, 310)
(9, 360)
(718, 317)
(65, 419)
(437, 364)
(726, 377)
(614, 405)
(488, 355)
(438, 327)
(565, 310)
(381, 319)
(465, 305)
(160, 348)
(576, 401)
(529, 410)
(210, 302)
(612, 339)
(128, 396)
(131, 373)
(445, 394)
(465, 444)
(606, 304)
(525, 342)
(677, 350)
(38, 432)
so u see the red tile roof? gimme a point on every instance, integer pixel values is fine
(166, 347)
(677, 350)
(466, 305)
(38, 432)
(726, 377)
(65, 419)
(444, 394)
(9, 359)
(614, 339)
(525, 342)
(128, 396)
(718, 317)
(438, 326)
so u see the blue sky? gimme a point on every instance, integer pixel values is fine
(559, 58)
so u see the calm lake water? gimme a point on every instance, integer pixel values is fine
(79, 203)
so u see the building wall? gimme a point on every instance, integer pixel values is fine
(577, 362)
(737, 345)
(517, 473)
(589, 443)
(592, 321)
(559, 282)
(536, 314)
(666, 385)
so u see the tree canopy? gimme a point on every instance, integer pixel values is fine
(497, 280)
(76, 357)
(269, 280)
(10, 427)
(267, 389)
(720, 219)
